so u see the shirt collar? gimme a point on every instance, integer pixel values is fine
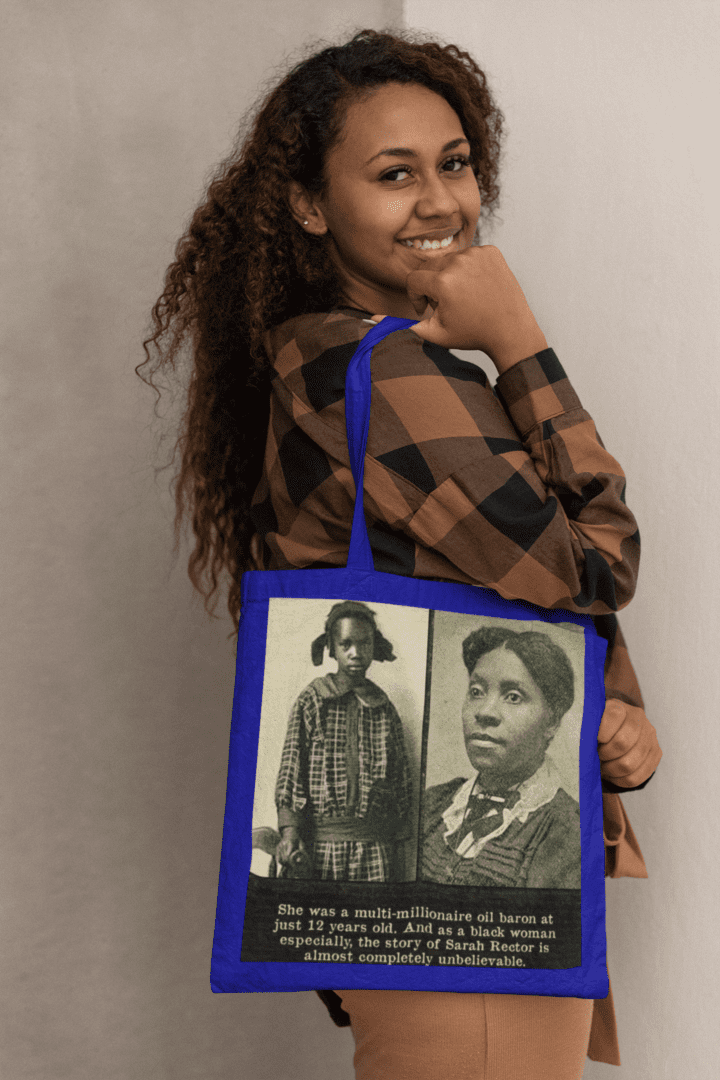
(536, 791)
(371, 695)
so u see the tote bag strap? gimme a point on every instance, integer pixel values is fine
(357, 422)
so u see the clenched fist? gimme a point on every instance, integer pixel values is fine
(476, 303)
(627, 745)
(290, 845)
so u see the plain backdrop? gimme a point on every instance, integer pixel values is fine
(117, 688)
(610, 220)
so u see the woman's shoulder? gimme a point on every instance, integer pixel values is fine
(564, 806)
(304, 338)
(309, 355)
(326, 341)
(438, 797)
(405, 355)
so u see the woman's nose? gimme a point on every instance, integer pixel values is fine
(435, 200)
(487, 713)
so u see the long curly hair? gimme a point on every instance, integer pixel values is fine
(244, 265)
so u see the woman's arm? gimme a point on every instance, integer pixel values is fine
(472, 300)
(527, 502)
(399, 772)
(291, 791)
(627, 741)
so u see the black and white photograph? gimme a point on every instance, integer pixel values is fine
(337, 786)
(500, 807)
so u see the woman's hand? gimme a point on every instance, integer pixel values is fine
(476, 303)
(290, 845)
(627, 745)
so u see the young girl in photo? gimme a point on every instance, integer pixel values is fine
(357, 192)
(343, 789)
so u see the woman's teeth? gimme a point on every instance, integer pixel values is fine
(428, 245)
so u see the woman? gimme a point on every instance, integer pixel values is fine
(512, 823)
(357, 194)
(343, 789)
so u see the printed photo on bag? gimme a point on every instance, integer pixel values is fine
(416, 794)
(500, 806)
(338, 775)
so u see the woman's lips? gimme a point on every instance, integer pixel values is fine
(429, 253)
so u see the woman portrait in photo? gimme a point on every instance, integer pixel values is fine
(511, 823)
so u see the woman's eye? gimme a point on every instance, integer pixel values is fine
(457, 164)
(476, 692)
(513, 697)
(396, 174)
(454, 165)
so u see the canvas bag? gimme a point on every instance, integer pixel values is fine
(279, 926)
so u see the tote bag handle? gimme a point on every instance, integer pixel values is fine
(357, 422)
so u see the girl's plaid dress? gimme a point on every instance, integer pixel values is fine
(344, 773)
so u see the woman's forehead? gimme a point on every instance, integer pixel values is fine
(352, 625)
(395, 116)
(502, 664)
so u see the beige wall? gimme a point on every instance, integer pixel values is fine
(610, 220)
(116, 688)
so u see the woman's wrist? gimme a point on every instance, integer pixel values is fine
(512, 352)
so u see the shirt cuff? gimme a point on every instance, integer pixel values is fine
(535, 390)
(614, 789)
(288, 817)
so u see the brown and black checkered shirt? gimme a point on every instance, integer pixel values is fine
(509, 489)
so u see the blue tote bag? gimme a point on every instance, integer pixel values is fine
(445, 821)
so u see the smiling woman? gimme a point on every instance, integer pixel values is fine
(374, 243)
(355, 194)
(437, 216)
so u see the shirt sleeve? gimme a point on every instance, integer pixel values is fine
(399, 772)
(556, 864)
(512, 490)
(515, 492)
(291, 789)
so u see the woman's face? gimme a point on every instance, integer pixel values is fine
(400, 177)
(353, 647)
(507, 723)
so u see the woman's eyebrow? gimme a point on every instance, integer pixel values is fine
(511, 684)
(404, 151)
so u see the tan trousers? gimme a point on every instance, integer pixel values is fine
(416, 1035)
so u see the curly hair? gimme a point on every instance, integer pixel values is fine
(545, 661)
(244, 265)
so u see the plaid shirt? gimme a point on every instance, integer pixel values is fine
(313, 778)
(524, 501)
(512, 490)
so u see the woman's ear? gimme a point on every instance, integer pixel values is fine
(317, 649)
(306, 212)
(551, 730)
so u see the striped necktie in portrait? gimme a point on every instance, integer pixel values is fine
(484, 814)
